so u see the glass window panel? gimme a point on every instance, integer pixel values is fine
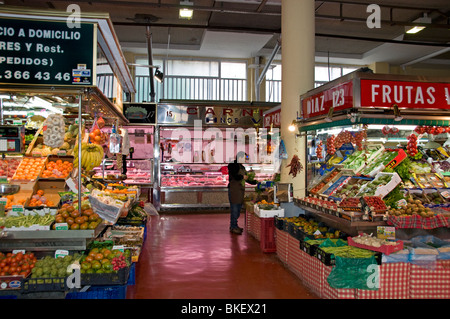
(274, 73)
(233, 70)
(192, 68)
(144, 71)
(348, 70)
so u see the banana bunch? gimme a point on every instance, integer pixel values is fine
(91, 156)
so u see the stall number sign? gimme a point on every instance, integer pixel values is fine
(339, 97)
(406, 94)
(46, 53)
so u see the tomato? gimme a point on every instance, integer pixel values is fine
(24, 273)
(99, 256)
(19, 256)
(25, 266)
(12, 269)
(2, 264)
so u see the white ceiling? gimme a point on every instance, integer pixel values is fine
(250, 28)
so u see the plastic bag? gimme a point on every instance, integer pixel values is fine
(54, 130)
(354, 273)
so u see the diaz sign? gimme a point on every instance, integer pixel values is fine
(340, 97)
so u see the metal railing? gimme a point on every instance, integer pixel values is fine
(105, 82)
(192, 88)
(273, 91)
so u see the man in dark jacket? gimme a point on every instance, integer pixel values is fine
(237, 177)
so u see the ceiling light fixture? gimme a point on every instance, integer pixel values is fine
(423, 20)
(186, 12)
(159, 76)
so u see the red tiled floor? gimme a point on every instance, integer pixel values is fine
(195, 257)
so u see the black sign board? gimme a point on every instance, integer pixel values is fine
(140, 112)
(38, 52)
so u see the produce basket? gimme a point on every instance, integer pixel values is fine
(385, 249)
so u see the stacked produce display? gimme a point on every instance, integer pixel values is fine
(46, 215)
(373, 182)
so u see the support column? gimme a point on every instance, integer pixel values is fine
(298, 51)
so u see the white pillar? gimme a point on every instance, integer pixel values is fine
(297, 51)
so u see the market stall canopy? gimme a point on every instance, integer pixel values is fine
(362, 97)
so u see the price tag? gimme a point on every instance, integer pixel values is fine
(61, 253)
(61, 226)
(17, 209)
(72, 186)
(119, 247)
(3, 179)
(61, 153)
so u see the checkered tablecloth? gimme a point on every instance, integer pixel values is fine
(430, 284)
(416, 221)
(281, 240)
(394, 281)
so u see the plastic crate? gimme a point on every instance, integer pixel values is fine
(267, 242)
(115, 278)
(103, 292)
(279, 223)
(132, 275)
(30, 285)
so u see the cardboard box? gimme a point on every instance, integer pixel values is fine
(51, 189)
(382, 190)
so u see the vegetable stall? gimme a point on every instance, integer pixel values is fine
(377, 188)
(56, 221)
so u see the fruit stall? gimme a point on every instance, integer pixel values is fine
(63, 233)
(377, 187)
(195, 141)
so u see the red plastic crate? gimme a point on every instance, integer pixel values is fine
(267, 235)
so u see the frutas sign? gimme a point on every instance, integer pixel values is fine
(406, 94)
(340, 97)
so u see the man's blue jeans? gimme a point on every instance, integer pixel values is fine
(235, 212)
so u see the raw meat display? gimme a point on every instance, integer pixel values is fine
(193, 180)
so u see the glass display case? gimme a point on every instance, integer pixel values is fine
(202, 185)
(139, 171)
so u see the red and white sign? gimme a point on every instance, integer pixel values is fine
(423, 95)
(339, 97)
(273, 118)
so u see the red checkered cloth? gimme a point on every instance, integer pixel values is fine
(281, 240)
(416, 221)
(394, 283)
(294, 258)
(312, 272)
(430, 284)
